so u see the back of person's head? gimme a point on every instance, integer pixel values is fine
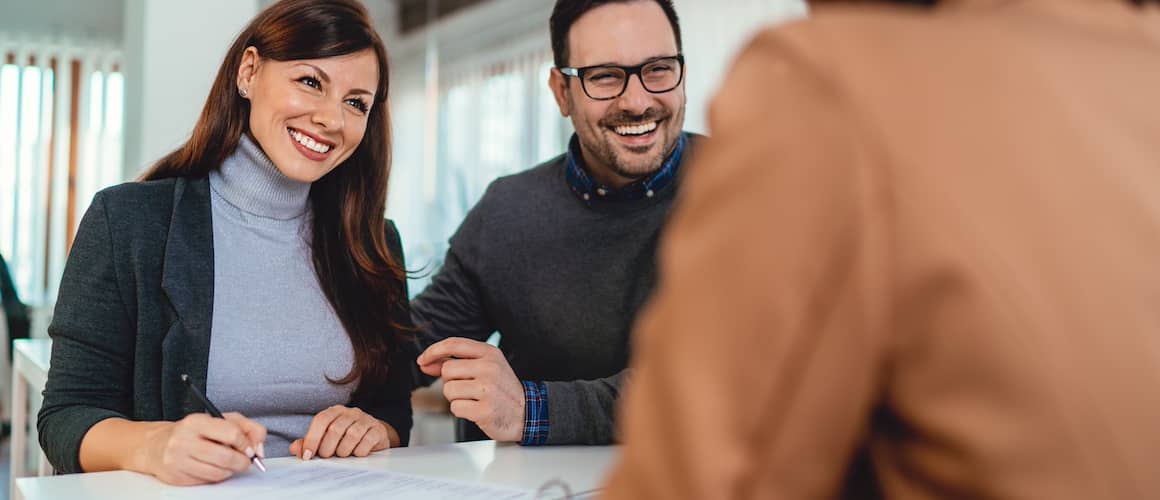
(566, 12)
(286, 30)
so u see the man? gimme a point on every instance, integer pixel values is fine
(930, 236)
(559, 258)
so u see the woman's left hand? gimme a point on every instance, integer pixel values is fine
(342, 431)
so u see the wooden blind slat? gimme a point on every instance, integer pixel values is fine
(74, 126)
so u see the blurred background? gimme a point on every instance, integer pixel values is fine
(93, 91)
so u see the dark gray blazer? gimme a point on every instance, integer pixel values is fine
(134, 313)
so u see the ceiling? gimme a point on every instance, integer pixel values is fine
(88, 19)
(414, 14)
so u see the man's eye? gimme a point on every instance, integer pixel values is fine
(603, 77)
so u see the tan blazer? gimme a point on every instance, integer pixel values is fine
(935, 237)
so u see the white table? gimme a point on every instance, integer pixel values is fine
(582, 468)
(30, 359)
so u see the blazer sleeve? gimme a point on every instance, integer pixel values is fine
(91, 374)
(394, 407)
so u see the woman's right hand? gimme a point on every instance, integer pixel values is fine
(200, 449)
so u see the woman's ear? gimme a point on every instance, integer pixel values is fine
(246, 71)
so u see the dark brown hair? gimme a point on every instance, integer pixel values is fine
(566, 12)
(355, 270)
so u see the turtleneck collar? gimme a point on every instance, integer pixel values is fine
(249, 181)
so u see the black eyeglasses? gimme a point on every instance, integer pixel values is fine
(609, 81)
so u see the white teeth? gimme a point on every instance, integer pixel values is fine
(310, 144)
(639, 129)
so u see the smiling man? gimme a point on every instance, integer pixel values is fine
(559, 258)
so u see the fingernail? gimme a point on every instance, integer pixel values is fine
(307, 454)
(262, 450)
(250, 452)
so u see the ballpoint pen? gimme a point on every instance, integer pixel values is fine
(213, 411)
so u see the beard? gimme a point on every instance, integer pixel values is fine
(606, 149)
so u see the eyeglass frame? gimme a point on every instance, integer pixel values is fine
(628, 72)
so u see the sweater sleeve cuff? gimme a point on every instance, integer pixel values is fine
(535, 413)
(61, 437)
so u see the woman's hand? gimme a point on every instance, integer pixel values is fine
(200, 449)
(341, 431)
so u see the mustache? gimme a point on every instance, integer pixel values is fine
(623, 118)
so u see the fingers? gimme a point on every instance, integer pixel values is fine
(199, 472)
(487, 392)
(365, 447)
(463, 389)
(467, 409)
(227, 432)
(434, 369)
(340, 431)
(334, 434)
(355, 434)
(317, 431)
(201, 449)
(215, 456)
(255, 432)
(457, 347)
(179, 478)
(467, 369)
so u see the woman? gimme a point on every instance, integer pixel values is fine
(254, 258)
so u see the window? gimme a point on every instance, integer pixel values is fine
(493, 120)
(50, 97)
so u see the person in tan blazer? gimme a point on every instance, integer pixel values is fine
(926, 237)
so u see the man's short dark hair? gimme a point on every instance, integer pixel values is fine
(566, 12)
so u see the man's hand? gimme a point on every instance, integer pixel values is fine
(480, 384)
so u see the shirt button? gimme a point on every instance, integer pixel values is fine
(601, 191)
(649, 193)
(586, 197)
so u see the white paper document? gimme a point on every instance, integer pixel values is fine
(318, 480)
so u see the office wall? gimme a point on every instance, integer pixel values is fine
(172, 53)
(713, 31)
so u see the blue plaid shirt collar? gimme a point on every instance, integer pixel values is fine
(587, 189)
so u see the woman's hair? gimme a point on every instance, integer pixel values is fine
(356, 271)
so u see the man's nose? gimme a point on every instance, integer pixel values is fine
(635, 98)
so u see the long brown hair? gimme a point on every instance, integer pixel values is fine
(356, 271)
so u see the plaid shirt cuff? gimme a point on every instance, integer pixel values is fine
(535, 413)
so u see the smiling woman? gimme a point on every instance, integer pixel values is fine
(309, 115)
(255, 255)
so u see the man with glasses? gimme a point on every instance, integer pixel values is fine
(559, 258)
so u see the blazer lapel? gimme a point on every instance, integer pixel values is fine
(187, 279)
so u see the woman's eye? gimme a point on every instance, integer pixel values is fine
(358, 104)
(311, 81)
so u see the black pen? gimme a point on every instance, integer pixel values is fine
(213, 411)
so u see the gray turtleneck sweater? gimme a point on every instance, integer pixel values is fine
(275, 338)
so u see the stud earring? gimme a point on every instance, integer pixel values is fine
(242, 92)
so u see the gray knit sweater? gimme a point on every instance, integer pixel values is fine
(275, 337)
(561, 280)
